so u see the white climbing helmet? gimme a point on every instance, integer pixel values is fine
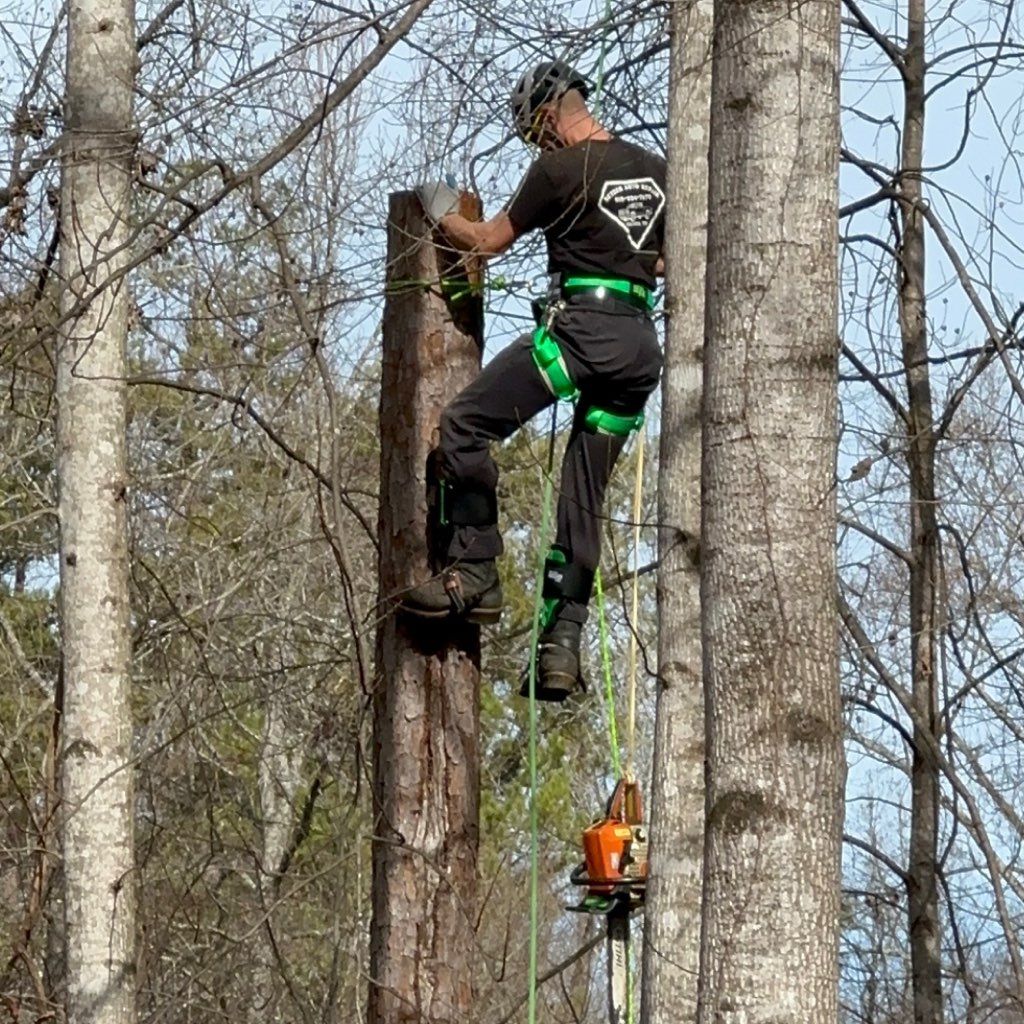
(543, 84)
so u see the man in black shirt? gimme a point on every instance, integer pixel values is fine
(600, 202)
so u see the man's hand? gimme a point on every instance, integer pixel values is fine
(485, 238)
(438, 199)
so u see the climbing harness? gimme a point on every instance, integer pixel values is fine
(637, 295)
(550, 362)
(601, 421)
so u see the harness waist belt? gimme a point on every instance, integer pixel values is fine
(638, 295)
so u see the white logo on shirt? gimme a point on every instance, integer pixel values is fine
(634, 204)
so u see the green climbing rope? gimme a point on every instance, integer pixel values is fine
(538, 609)
(538, 605)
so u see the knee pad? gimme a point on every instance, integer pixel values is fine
(450, 505)
(459, 505)
(563, 581)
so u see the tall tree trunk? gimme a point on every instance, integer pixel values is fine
(774, 784)
(97, 815)
(923, 900)
(426, 720)
(280, 779)
(672, 917)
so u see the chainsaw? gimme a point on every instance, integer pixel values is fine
(614, 870)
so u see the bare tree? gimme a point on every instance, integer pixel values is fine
(97, 156)
(426, 745)
(774, 807)
(932, 645)
(925, 610)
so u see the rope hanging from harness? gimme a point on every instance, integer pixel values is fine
(615, 868)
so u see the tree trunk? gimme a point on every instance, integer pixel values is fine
(672, 916)
(280, 779)
(923, 900)
(774, 784)
(426, 698)
(97, 726)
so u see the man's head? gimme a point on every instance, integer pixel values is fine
(544, 96)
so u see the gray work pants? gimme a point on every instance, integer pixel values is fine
(613, 357)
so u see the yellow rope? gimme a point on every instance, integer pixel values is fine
(635, 613)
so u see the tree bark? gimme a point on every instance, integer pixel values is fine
(922, 896)
(97, 156)
(774, 783)
(672, 915)
(426, 698)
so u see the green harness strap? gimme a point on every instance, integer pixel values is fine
(551, 363)
(600, 421)
(599, 285)
(548, 358)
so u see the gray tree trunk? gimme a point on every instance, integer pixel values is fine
(96, 780)
(774, 800)
(672, 916)
(922, 896)
(280, 779)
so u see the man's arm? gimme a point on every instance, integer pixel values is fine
(483, 237)
(659, 267)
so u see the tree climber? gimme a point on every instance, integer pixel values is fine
(599, 201)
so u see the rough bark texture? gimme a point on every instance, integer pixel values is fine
(97, 726)
(922, 896)
(426, 707)
(774, 798)
(672, 917)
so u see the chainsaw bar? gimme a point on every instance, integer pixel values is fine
(619, 981)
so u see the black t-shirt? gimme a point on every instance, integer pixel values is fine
(601, 206)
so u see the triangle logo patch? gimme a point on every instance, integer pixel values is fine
(635, 204)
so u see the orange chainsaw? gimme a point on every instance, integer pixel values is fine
(614, 870)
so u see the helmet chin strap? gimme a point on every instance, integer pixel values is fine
(548, 136)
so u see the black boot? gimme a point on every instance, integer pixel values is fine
(558, 648)
(558, 663)
(468, 589)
